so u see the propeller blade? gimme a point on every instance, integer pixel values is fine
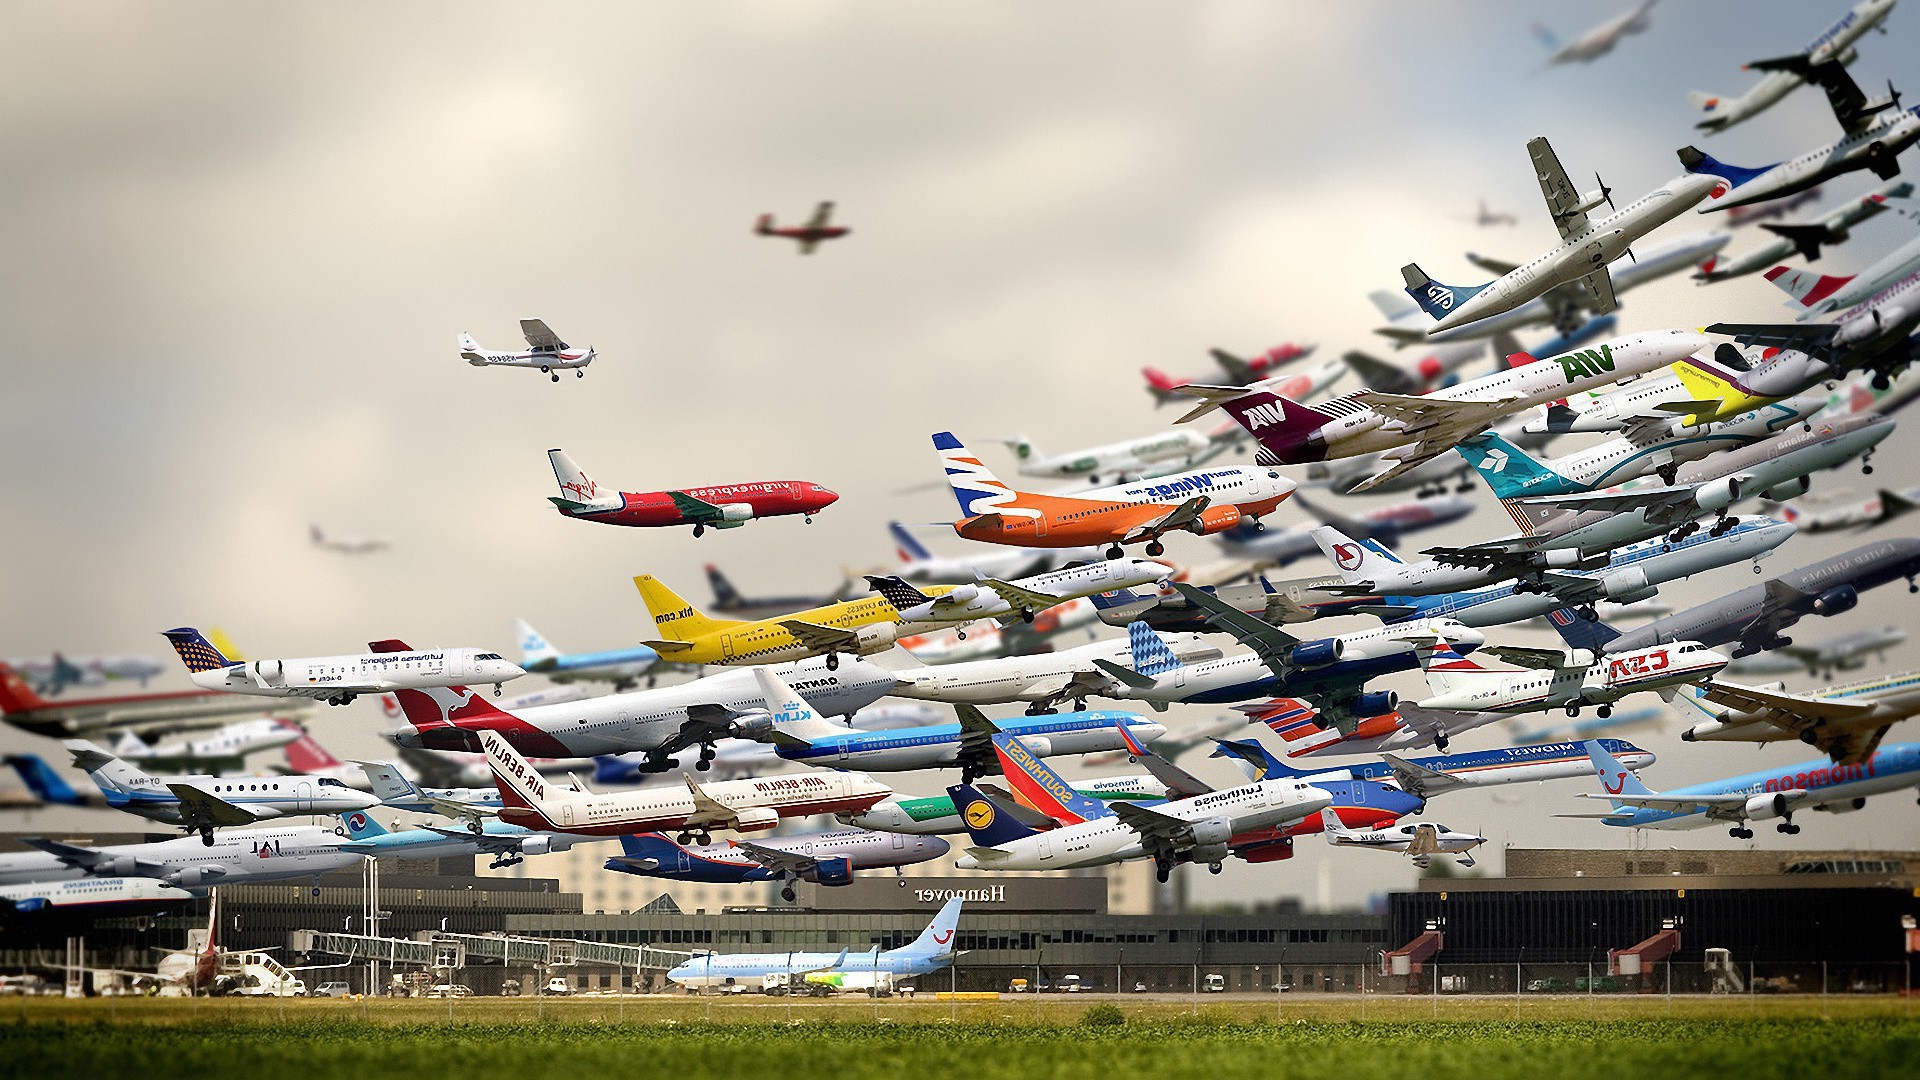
(1605, 191)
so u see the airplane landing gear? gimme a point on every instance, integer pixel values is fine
(1589, 612)
(556, 378)
(547, 369)
(1115, 552)
(1026, 615)
(699, 530)
(474, 826)
(1739, 832)
(206, 835)
(496, 689)
(1604, 711)
(786, 893)
(1787, 827)
(1155, 549)
(1440, 742)
(1162, 870)
(808, 519)
(579, 373)
(1573, 710)
(706, 758)
(1214, 868)
(833, 661)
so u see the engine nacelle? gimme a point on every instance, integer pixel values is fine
(1316, 654)
(874, 637)
(757, 726)
(194, 876)
(1041, 745)
(1210, 853)
(1847, 807)
(755, 819)
(1622, 584)
(1792, 489)
(118, 866)
(1375, 703)
(1594, 198)
(1211, 832)
(1568, 559)
(1772, 805)
(962, 594)
(1216, 519)
(736, 512)
(1720, 494)
(835, 871)
(1836, 600)
(536, 845)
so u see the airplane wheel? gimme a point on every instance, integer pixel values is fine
(961, 634)
(1589, 612)
(833, 661)
(496, 689)
(683, 839)
(556, 378)
(704, 764)
(206, 836)
(1026, 615)
(1115, 552)
(1605, 711)
(475, 827)
(1573, 710)
(1162, 871)
(579, 373)
(1214, 868)
(809, 519)
(1756, 568)
(704, 838)
(787, 895)
(1867, 469)
(699, 530)
(545, 370)
(1911, 587)
(1881, 382)
(1155, 549)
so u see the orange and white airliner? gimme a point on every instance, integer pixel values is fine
(1202, 501)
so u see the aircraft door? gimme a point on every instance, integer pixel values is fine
(566, 814)
(1046, 847)
(726, 647)
(685, 861)
(303, 795)
(899, 841)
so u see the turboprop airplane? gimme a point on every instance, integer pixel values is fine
(1599, 41)
(1847, 722)
(544, 350)
(1554, 679)
(1842, 652)
(1237, 369)
(173, 710)
(1201, 502)
(1653, 445)
(1413, 430)
(1020, 600)
(751, 805)
(1786, 74)
(1807, 239)
(799, 734)
(727, 506)
(622, 667)
(337, 680)
(661, 722)
(874, 970)
(1420, 841)
(1876, 133)
(816, 231)
(1199, 828)
(824, 858)
(202, 803)
(1757, 796)
(1129, 459)
(1585, 249)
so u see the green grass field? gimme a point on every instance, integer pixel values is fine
(1019, 1040)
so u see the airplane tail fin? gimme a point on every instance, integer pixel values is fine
(1150, 652)
(1615, 778)
(988, 824)
(1022, 447)
(534, 647)
(1275, 422)
(471, 352)
(937, 938)
(1394, 306)
(109, 772)
(975, 487)
(520, 784)
(1356, 560)
(195, 651)
(764, 226)
(1331, 825)
(1446, 669)
(1160, 384)
(577, 489)
(387, 782)
(905, 544)
(1036, 784)
(724, 594)
(1510, 471)
(1546, 37)
(1589, 634)
(792, 716)
(442, 707)
(1297, 722)
(1806, 287)
(360, 825)
(46, 785)
(16, 694)
(306, 755)
(1434, 298)
(897, 591)
(1256, 760)
(674, 618)
(1705, 102)
(1695, 160)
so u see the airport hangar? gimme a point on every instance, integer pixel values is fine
(1556, 913)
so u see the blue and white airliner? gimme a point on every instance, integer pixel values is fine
(1755, 796)
(875, 969)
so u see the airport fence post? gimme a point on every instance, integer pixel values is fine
(1435, 975)
(1516, 987)
(1823, 989)
(1669, 986)
(1363, 987)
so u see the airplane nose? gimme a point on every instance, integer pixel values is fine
(1462, 634)
(938, 845)
(827, 498)
(362, 800)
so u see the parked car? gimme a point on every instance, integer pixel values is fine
(558, 985)
(330, 989)
(1215, 984)
(450, 990)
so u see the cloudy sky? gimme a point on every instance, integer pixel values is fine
(239, 240)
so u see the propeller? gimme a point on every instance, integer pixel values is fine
(1605, 192)
(1893, 94)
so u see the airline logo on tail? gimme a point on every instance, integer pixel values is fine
(1586, 362)
(1494, 461)
(195, 651)
(1151, 654)
(974, 485)
(1348, 556)
(978, 814)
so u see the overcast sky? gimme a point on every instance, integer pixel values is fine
(239, 240)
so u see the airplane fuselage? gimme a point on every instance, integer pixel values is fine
(1818, 785)
(1118, 514)
(937, 746)
(737, 503)
(1606, 680)
(752, 804)
(1877, 146)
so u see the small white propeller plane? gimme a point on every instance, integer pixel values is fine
(544, 350)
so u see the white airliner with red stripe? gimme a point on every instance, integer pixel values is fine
(1554, 679)
(750, 805)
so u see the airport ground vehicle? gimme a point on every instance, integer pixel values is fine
(330, 989)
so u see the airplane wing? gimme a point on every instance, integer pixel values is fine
(1237, 369)
(781, 862)
(822, 216)
(1562, 197)
(1548, 659)
(1420, 780)
(1844, 96)
(694, 509)
(1779, 606)
(1851, 747)
(1022, 599)
(1655, 501)
(456, 808)
(821, 638)
(1811, 338)
(1794, 712)
(1807, 239)
(197, 808)
(1492, 558)
(1159, 830)
(1431, 419)
(1599, 286)
(1425, 841)
(706, 809)
(1178, 518)
(539, 337)
(976, 740)
(491, 843)
(84, 858)
(1181, 784)
(1679, 803)
(1263, 638)
(1380, 375)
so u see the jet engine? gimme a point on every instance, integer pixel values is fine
(1212, 832)
(755, 819)
(1041, 745)
(1216, 519)
(1762, 807)
(1375, 703)
(1836, 600)
(757, 726)
(1629, 583)
(1789, 490)
(1316, 654)
(961, 594)
(875, 637)
(1269, 851)
(537, 844)
(1847, 807)
(835, 871)
(118, 866)
(1721, 493)
(736, 512)
(1570, 559)
(1210, 853)
(194, 876)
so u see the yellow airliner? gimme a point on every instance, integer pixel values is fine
(859, 627)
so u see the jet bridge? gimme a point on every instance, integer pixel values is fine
(434, 949)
